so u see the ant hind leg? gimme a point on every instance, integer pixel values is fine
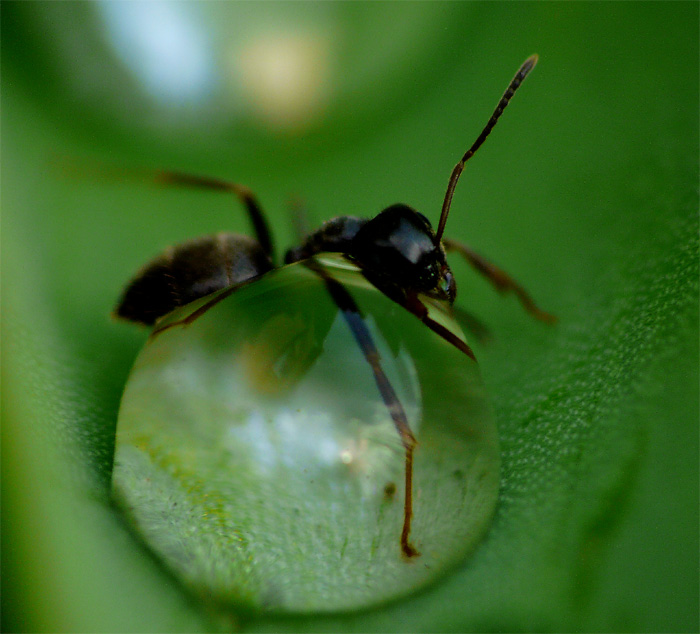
(245, 195)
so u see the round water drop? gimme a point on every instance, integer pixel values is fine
(256, 456)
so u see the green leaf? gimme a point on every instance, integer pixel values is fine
(586, 191)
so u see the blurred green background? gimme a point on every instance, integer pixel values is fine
(586, 191)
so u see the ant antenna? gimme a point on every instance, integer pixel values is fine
(527, 66)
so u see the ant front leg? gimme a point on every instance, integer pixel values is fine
(409, 300)
(499, 278)
(363, 337)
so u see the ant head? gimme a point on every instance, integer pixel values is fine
(399, 243)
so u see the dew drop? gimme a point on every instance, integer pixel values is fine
(256, 458)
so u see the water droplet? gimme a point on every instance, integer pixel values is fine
(256, 457)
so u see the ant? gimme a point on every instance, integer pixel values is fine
(397, 251)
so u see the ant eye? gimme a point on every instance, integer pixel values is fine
(429, 274)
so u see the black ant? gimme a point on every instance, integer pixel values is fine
(397, 251)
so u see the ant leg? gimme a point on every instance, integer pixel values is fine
(411, 302)
(499, 278)
(186, 321)
(245, 195)
(178, 179)
(355, 321)
(196, 314)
